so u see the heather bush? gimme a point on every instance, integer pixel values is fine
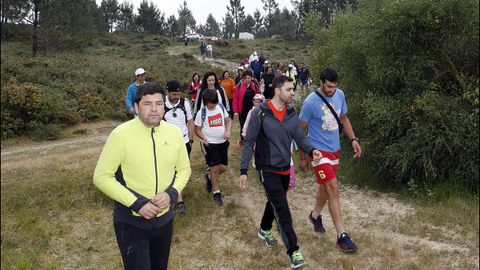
(410, 73)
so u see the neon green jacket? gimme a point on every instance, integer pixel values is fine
(152, 160)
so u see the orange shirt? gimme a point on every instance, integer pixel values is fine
(278, 114)
(229, 86)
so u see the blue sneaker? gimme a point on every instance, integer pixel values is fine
(346, 244)
(298, 260)
(267, 236)
(317, 223)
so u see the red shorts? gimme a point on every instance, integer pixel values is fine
(326, 168)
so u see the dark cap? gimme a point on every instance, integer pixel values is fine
(174, 85)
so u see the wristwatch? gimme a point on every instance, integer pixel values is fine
(354, 139)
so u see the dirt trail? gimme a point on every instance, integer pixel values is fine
(97, 134)
(217, 62)
(372, 218)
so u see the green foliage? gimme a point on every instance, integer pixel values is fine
(410, 71)
(149, 19)
(211, 27)
(60, 30)
(68, 87)
(185, 18)
(237, 11)
(40, 132)
(110, 11)
(125, 17)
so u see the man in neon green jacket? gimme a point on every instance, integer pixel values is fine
(152, 158)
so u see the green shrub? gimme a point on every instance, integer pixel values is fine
(58, 109)
(21, 101)
(410, 72)
(90, 103)
(40, 131)
(25, 103)
(10, 125)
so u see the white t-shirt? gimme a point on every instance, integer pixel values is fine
(179, 120)
(209, 48)
(252, 58)
(214, 125)
(295, 72)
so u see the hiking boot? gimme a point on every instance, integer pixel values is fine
(218, 198)
(297, 260)
(267, 236)
(317, 223)
(208, 181)
(181, 209)
(345, 243)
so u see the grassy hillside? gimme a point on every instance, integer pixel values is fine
(72, 87)
(52, 217)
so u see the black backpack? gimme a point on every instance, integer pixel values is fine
(180, 105)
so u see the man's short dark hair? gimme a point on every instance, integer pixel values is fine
(210, 96)
(329, 74)
(148, 89)
(278, 81)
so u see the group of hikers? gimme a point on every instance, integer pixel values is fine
(145, 165)
(206, 50)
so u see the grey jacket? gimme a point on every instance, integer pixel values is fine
(273, 139)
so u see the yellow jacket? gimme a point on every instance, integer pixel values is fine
(152, 160)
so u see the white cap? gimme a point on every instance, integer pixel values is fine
(139, 71)
(245, 66)
(266, 62)
(254, 53)
(290, 65)
(240, 67)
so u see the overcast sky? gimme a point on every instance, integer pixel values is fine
(201, 8)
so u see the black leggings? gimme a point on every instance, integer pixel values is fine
(142, 249)
(277, 208)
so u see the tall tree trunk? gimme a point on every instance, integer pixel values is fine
(299, 19)
(35, 28)
(237, 32)
(4, 21)
(4, 29)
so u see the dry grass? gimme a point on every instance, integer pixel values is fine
(54, 218)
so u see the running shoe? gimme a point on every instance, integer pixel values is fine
(345, 243)
(317, 223)
(268, 237)
(297, 260)
(218, 198)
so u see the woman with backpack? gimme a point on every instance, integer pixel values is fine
(242, 99)
(210, 81)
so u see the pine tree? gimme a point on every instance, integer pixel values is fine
(237, 12)
(125, 17)
(185, 18)
(110, 12)
(270, 7)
